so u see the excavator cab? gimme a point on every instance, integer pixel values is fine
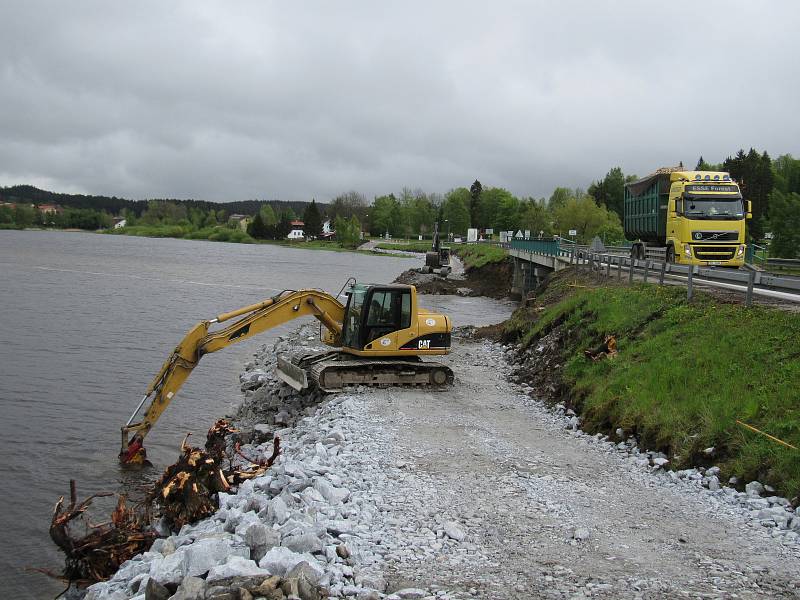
(373, 312)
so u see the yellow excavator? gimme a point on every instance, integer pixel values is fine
(380, 333)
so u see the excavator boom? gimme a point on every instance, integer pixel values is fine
(256, 318)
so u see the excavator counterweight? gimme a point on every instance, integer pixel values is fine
(380, 335)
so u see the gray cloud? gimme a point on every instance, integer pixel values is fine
(229, 101)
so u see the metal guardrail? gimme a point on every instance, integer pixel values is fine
(750, 281)
(565, 246)
(548, 247)
(568, 245)
(784, 262)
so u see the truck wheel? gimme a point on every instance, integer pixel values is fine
(671, 254)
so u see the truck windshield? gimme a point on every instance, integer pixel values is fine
(711, 207)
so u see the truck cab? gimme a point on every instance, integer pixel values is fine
(706, 219)
(693, 217)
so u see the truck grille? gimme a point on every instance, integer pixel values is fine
(715, 236)
(714, 252)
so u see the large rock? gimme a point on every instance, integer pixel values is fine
(754, 488)
(454, 531)
(339, 526)
(237, 521)
(267, 587)
(259, 538)
(254, 379)
(277, 512)
(131, 569)
(170, 570)
(335, 436)
(298, 585)
(279, 561)
(236, 566)
(311, 571)
(262, 432)
(410, 593)
(155, 591)
(222, 593)
(373, 580)
(164, 546)
(202, 555)
(191, 588)
(581, 534)
(304, 542)
(332, 494)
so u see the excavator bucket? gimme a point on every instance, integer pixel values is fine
(292, 374)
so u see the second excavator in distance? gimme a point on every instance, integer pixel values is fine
(381, 334)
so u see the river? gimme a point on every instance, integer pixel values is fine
(86, 322)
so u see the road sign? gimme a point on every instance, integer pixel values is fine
(573, 232)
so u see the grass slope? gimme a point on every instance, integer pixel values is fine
(684, 374)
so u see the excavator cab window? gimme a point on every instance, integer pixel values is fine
(351, 328)
(389, 310)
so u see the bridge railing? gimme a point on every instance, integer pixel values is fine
(547, 247)
(750, 282)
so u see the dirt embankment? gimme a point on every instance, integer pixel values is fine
(492, 280)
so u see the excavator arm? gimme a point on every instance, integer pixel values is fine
(256, 318)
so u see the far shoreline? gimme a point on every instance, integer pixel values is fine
(310, 245)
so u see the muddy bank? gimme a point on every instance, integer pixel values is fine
(492, 280)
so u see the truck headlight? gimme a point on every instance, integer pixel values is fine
(687, 250)
(741, 250)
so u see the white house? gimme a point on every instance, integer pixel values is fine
(120, 223)
(295, 234)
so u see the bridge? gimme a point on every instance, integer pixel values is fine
(536, 259)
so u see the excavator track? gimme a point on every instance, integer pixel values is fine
(333, 371)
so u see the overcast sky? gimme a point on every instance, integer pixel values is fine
(292, 100)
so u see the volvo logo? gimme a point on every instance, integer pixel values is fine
(709, 235)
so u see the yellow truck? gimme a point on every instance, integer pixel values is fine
(691, 217)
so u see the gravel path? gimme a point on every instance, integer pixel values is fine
(503, 471)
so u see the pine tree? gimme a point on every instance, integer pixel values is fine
(475, 191)
(257, 228)
(284, 226)
(702, 165)
(753, 172)
(312, 220)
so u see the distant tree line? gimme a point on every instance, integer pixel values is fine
(22, 194)
(26, 215)
(773, 186)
